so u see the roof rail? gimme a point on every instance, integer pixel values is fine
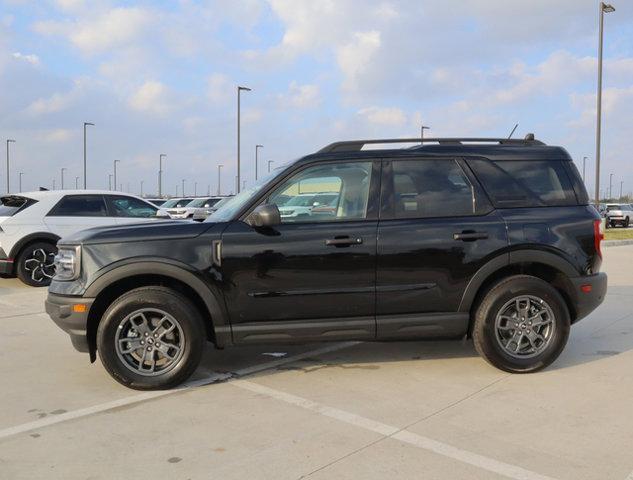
(356, 145)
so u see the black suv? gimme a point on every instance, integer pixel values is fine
(486, 238)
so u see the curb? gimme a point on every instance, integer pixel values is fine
(616, 243)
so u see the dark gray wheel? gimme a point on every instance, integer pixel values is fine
(151, 338)
(521, 324)
(35, 264)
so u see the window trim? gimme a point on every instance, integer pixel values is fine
(483, 206)
(51, 212)
(373, 201)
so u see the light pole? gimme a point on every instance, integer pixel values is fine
(85, 125)
(219, 178)
(610, 185)
(141, 188)
(22, 173)
(76, 183)
(183, 187)
(621, 182)
(239, 91)
(243, 184)
(160, 175)
(269, 162)
(422, 128)
(176, 190)
(257, 147)
(63, 170)
(195, 189)
(115, 162)
(110, 181)
(10, 140)
(604, 8)
(584, 159)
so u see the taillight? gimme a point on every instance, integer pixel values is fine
(598, 236)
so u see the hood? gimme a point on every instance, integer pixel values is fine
(138, 232)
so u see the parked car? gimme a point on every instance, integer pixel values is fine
(175, 207)
(156, 201)
(492, 239)
(619, 214)
(203, 213)
(32, 223)
(197, 205)
(301, 205)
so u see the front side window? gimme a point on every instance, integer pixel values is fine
(131, 207)
(322, 193)
(431, 188)
(80, 206)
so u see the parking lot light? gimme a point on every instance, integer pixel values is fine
(10, 140)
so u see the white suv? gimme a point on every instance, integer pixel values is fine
(32, 223)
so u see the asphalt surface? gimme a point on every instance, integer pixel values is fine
(431, 410)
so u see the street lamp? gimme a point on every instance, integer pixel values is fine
(257, 147)
(584, 159)
(10, 140)
(269, 162)
(183, 187)
(115, 162)
(219, 177)
(422, 128)
(141, 188)
(76, 183)
(160, 175)
(85, 125)
(22, 173)
(621, 182)
(604, 8)
(610, 185)
(63, 170)
(239, 91)
(195, 189)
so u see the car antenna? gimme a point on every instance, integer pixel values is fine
(512, 132)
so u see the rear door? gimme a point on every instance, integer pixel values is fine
(78, 212)
(436, 230)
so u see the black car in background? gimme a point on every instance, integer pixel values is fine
(492, 239)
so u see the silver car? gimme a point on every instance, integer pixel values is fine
(619, 214)
(201, 213)
(174, 208)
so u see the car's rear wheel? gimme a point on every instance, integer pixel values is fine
(627, 222)
(35, 264)
(151, 338)
(521, 325)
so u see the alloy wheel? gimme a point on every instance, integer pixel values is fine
(40, 265)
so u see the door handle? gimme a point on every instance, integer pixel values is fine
(470, 236)
(343, 241)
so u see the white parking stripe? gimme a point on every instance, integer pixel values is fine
(425, 443)
(213, 378)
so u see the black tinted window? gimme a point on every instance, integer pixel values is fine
(525, 183)
(130, 207)
(12, 204)
(431, 188)
(80, 206)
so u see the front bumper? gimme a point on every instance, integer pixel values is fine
(61, 309)
(589, 293)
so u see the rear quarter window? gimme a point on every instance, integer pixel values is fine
(12, 204)
(525, 183)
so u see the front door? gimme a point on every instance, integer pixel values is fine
(312, 276)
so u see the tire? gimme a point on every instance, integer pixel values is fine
(35, 264)
(626, 222)
(123, 324)
(494, 325)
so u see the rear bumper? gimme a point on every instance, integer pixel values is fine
(60, 309)
(590, 292)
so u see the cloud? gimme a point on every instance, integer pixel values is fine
(220, 89)
(151, 97)
(30, 58)
(354, 56)
(301, 96)
(383, 116)
(57, 135)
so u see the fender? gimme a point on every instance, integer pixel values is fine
(173, 269)
(37, 236)
(513, 258)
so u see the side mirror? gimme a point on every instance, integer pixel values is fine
(264, 216)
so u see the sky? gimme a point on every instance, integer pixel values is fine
(161, 76)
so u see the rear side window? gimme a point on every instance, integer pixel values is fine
(80, 206)
(12, 204)
(122, 206)
(519, 183)
(431, 188)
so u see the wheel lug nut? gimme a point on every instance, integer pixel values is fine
(149, 349)
(142, 342)
(155, 335)
(157, 345)
(146, 334)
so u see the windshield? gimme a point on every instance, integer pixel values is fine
(176, 202)
(234, 204)
(203, 202)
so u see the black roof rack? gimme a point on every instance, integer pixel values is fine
(356, 145)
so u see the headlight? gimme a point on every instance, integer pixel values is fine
(68, 263)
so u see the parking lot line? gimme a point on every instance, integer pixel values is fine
(212, 378)
(419, 441)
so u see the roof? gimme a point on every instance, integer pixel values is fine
(41, 194)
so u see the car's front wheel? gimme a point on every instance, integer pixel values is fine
(521, 325)
(35, 264)
(151, 338)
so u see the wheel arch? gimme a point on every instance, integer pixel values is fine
(123, 278)
(545, 265)
(32, 238)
